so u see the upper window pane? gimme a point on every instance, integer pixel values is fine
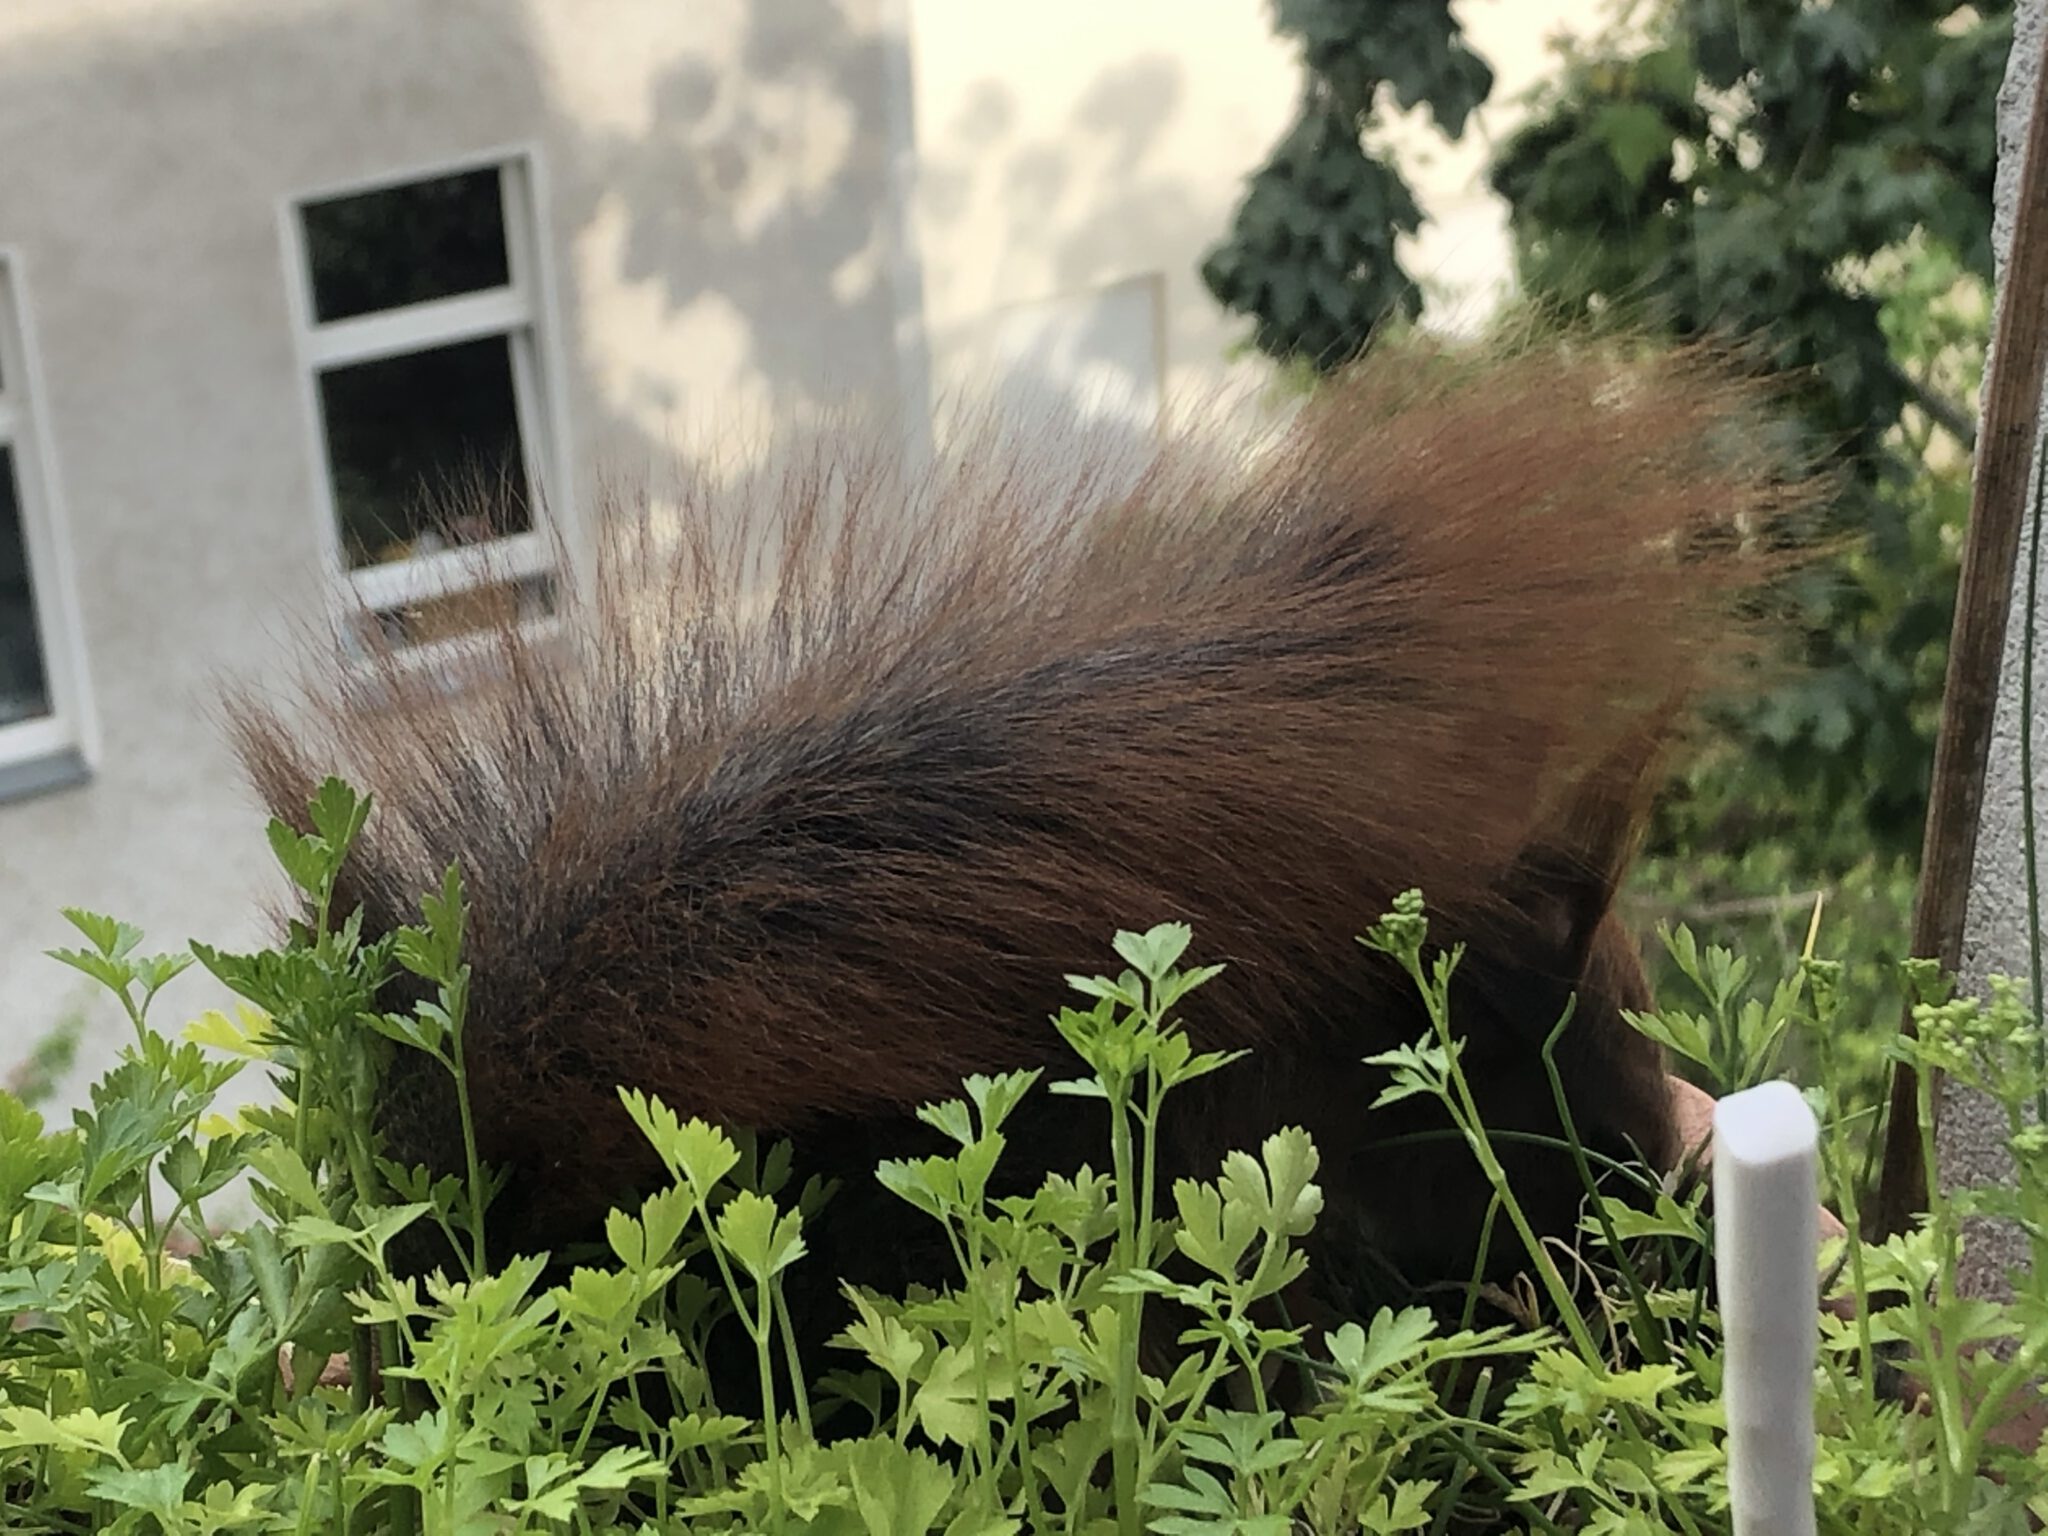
(403, 245)
(24, 682)
(425, 444)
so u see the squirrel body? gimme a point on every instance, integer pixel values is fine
(823, 784)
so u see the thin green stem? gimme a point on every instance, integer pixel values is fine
(2000, 1391)
(1480, 1254)
(479, 1261)
(1943, 1369)
(1649, 1336)
(1859, 1277)
(1469, 1455)
(152, 1237)
(1465, 1108)
(152, 1250)
(799, 1393)
(1123, 1422)
(1148, 1188)
(313, 1463)
(771, 1429)
(983, 1448)
(1020, 1426)
(1606, 1164)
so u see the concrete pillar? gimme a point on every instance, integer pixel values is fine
(1972, 1130)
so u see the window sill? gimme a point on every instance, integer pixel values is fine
(42, 773)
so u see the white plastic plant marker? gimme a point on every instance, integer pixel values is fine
(1766, 1257)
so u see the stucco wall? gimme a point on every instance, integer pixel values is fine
(1069, 145)
(716, 225)
(1066, 146)
(1971, 1131)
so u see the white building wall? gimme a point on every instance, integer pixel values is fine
(713, 217)
(1070, 147)
(1067, 147)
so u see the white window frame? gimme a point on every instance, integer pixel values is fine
(59, 748)
(522, 311)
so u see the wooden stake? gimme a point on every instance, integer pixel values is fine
(1998, 510)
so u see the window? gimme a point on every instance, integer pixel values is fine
(41, 725)
(420, 311)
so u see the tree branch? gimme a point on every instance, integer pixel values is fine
(1939, 409)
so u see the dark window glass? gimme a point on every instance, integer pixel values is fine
(24, 684)
(403, 245)
(424, 450)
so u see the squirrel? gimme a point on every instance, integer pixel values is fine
(823, 778)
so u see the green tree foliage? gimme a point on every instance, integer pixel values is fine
(1311, 256)
(1811, 179)
(1795, 175)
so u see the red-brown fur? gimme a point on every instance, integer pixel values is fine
(802, 861)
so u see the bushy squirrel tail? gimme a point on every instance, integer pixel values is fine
(1505, 559)
(825, 772)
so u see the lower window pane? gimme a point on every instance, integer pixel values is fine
(24, 682)
(424, 451)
